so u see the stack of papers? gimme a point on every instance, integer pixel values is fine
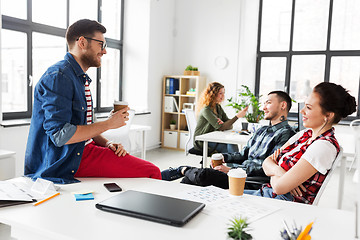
(11, 194)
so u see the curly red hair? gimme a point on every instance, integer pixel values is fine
(208, 96)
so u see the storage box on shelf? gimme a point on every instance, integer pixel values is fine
(179, 92)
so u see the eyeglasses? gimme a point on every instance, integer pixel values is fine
(103, 43)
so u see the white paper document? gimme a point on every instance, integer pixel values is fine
(24, 190)
(238, 206)
(10, 191)
(205, 195)
(220, 203)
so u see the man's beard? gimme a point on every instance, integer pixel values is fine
(90, 61)
(271, 116)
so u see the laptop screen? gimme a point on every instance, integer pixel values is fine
(152, 207)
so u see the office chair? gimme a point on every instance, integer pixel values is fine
(191, 124)
(256, 183)
(299, 116)
(121, 134)
(327, 179)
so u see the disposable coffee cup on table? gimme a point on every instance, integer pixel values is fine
(237, 179)
(118, 105)
(217, 159)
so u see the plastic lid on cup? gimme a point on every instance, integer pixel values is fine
(120, 102)
(237, 173)
(217, 156)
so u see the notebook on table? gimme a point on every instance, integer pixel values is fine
(172, 211)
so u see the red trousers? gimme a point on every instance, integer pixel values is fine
(99, 161)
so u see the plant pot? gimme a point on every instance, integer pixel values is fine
(172, 126)
(245, 126)
(192, 73)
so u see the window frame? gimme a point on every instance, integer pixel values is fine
(29, 27)
(290, 53)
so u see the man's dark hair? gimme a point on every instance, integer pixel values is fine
(83, 27)
(283, 96)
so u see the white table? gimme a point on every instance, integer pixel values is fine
(228, 136)
(64, 218)
(142, 129)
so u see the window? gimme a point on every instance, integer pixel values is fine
(303, 43)
(43, 44)
(14, 71)
(52, 13)
(110, 69)
(79, 10)
(273, 74)
(29, 35)
(14, 8)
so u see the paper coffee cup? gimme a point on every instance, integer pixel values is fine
(237, 179)
(120, 105)
(217, 159)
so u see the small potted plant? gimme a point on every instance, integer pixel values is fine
(190, 70)
(238, 229)
(172, 124)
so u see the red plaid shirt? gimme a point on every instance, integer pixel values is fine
(314, 183)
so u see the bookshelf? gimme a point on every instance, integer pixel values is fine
(173, 102)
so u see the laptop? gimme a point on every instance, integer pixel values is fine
(167, 210)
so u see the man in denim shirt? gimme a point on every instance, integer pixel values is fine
(63, 141)
(261, 145)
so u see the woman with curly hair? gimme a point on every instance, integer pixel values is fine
(211, 117)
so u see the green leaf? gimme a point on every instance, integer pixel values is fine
(189, 68)
(246, 97)
(238, 229)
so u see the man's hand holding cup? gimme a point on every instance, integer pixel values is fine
(119, 115)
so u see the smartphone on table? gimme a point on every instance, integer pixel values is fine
(112, 187)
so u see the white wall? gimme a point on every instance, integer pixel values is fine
(148, 55)
(205, 30)
(249, 14)
(209, 29)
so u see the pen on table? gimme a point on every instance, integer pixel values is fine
(44, 200)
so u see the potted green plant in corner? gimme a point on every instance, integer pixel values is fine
(172, 124)
(238, 229)
(247, 98)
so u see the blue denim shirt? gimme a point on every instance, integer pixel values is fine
(59, 106)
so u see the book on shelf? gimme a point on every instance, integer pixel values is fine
(169, 104)
(167, 86)
(176, 104)
(173, 85)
